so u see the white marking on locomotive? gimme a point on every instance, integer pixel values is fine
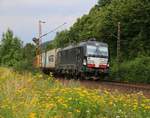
(97, 61)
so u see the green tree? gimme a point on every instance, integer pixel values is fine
(10, 49)
(134, 18)
(104, 2)
(62, 39)
(50, 45)
(28, 56)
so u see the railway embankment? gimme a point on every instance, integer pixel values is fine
(111, 86)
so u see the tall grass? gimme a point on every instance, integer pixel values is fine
(39, 96)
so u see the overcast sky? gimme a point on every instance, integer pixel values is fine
(22, 15)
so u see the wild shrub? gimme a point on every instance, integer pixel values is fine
(137, 70)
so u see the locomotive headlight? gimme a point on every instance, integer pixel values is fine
(107, 65)
(84, 62)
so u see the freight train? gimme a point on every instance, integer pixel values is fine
(88, 59)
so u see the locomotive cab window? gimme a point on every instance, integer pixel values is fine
(103, 51)
(51, 58)
(97, 51)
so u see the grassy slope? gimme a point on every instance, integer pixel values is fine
(32, 96)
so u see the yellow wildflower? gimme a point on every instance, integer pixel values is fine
(77, 110)
(147, 107)
(32, 115)
(50, 106)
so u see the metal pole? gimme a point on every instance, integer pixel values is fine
(118, 43)
(118, 48)
(40, 42)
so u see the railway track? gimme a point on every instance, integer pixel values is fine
(136, 87)
(111, 86)
(129, 88)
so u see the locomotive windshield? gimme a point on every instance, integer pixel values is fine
(97, 51)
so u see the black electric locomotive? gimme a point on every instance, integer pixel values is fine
(87, 59)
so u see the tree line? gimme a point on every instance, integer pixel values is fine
(14, 54)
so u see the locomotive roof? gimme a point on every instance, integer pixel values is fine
(96, 43)
(93, 43)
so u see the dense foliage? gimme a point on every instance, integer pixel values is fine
(137, 70)
(101, 23)
(10, 50)
(31, 96)
(14, 54)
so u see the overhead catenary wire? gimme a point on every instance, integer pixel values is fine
(53, 30)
